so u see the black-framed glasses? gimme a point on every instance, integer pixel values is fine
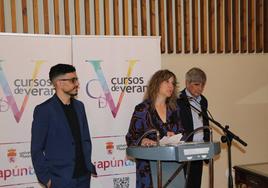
(73, 80)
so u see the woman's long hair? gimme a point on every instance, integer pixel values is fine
(154, 86)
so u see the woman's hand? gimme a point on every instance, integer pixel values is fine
(148, 142)
(170, 133)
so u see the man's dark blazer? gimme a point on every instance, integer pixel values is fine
(52, 144)
(195, 173)
(186, 114)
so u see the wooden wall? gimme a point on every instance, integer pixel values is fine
(185, 26)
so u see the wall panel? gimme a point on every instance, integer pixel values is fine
(185, 26)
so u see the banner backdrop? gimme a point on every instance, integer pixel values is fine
(25, 61)
(113, 73)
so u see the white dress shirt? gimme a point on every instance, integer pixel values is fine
(197, 119)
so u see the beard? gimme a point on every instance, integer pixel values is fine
(73, 92)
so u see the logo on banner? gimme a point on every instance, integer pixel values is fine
(121, 147)
(26, 87)
(15, 170)
(127, 84)
(109, 147)
(12, 173)
(4, 107)
(11, 155)
(25, 154)
(113, 164)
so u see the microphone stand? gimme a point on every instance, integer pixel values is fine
(159, 166)
(211, 162)
(227, 138)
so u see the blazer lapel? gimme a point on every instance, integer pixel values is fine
(188, 113)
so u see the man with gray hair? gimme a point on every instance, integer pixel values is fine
(195, 81)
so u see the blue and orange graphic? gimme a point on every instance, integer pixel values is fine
(9, 96)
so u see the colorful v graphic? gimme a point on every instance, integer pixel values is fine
(96, 65)
(9, 96)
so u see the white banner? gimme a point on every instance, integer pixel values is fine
(25, 61)
(113, 73)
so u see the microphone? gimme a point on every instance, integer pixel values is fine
(194, 100)
(148, 132)
(198, 108)
(197, 102)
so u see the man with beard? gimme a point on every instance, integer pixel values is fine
(61, 145)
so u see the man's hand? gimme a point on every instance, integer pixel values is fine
(49, 184)
(94, 175)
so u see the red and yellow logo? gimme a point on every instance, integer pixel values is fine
(11, 155)
(109, 147)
